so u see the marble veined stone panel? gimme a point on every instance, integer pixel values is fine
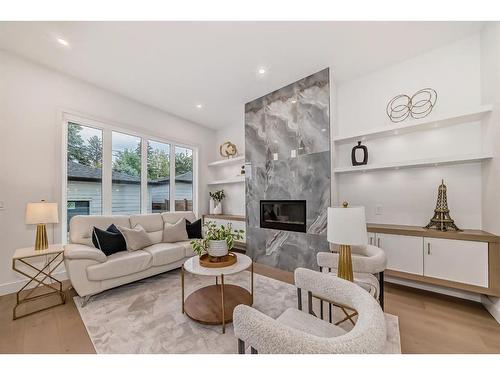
(287, 157)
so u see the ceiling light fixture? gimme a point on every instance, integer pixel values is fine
(262, 71)
(199, 106)
(63, 42)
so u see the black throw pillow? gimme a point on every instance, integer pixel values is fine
(193, 229)
(109, 241)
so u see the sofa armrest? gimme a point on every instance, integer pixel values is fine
(78, 251)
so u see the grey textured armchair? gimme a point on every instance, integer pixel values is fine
(297, 331)
(367, 261)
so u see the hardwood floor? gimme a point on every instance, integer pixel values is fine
(429, 323)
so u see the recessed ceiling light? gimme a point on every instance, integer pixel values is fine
(199, 106)
(262, 71)
(294, 101)
(324, 130)
(63, 42)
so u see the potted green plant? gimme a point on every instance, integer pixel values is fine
(217, 241)
(216, 198)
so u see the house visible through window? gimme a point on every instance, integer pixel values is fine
(127, 187)
(84, 171)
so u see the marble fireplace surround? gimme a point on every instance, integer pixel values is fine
(287, 157)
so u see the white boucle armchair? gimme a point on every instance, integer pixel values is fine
(367, 261)
(296, 331)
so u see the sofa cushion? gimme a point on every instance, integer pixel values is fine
(136, 238)
(109, 241)
(193, 229)
(188, 248)
(165, 253)
(81, 226)
(175, 232)
(120, 264)
(173, 217)
(152, 224)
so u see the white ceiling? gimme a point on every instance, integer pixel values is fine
(175, 65)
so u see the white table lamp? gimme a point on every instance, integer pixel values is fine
(41, 213)
(346, 227)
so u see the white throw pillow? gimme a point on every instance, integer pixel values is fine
(136, 238)
(175, 232)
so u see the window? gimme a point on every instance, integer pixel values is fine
(126, 174)
(78, 208)
(84, 171)
(183, 179)
(158, 177)
(111, 171)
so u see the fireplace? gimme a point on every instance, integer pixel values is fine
(283, 214)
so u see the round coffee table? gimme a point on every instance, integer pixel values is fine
(214, 304)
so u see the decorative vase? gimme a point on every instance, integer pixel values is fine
(217, 248)
(217, 208)
(354, 160)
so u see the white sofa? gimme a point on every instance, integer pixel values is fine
(92, 272)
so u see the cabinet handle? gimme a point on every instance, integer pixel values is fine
(428, 248)
(378, 242)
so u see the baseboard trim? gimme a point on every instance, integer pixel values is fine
(14, 286)
(492, 308)
(436, 289)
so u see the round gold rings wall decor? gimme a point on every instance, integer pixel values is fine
(417, 106)
(228, 150)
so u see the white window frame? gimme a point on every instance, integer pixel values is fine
(107, 128)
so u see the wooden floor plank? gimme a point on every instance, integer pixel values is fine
(429, 323)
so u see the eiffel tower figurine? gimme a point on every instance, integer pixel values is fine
(441, 219)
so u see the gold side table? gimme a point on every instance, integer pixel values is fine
(39, 275)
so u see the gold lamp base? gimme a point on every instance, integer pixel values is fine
(41, 240)
(345, 263)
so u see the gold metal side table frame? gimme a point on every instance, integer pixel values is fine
(39, 277)
(222, 289)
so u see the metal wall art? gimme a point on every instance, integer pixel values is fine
(417, 106)
(228, 150)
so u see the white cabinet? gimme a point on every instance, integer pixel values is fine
(455, 260)
(404, 253)
(372, 238)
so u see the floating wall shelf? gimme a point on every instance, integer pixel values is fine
(459, 159)
(416, 125)
(221, 163)
(232, 180)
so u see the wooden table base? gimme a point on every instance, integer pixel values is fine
(205, 305)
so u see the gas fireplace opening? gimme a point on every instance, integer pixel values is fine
(283, 214)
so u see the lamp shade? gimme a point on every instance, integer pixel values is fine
(347, 226)
(41, 213)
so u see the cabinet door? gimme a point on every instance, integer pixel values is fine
(461, 261)
(237, 225)
(404, 253)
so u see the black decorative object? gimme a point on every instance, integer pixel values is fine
(365, 154)
(417, 106)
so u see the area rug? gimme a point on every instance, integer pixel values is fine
(146, 316)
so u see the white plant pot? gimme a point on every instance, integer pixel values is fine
(215, 209)
(218, 208)
(217, 248)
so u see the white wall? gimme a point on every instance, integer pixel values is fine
(31, 98)
(490, 85)
(408, 196)
(234, 203)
